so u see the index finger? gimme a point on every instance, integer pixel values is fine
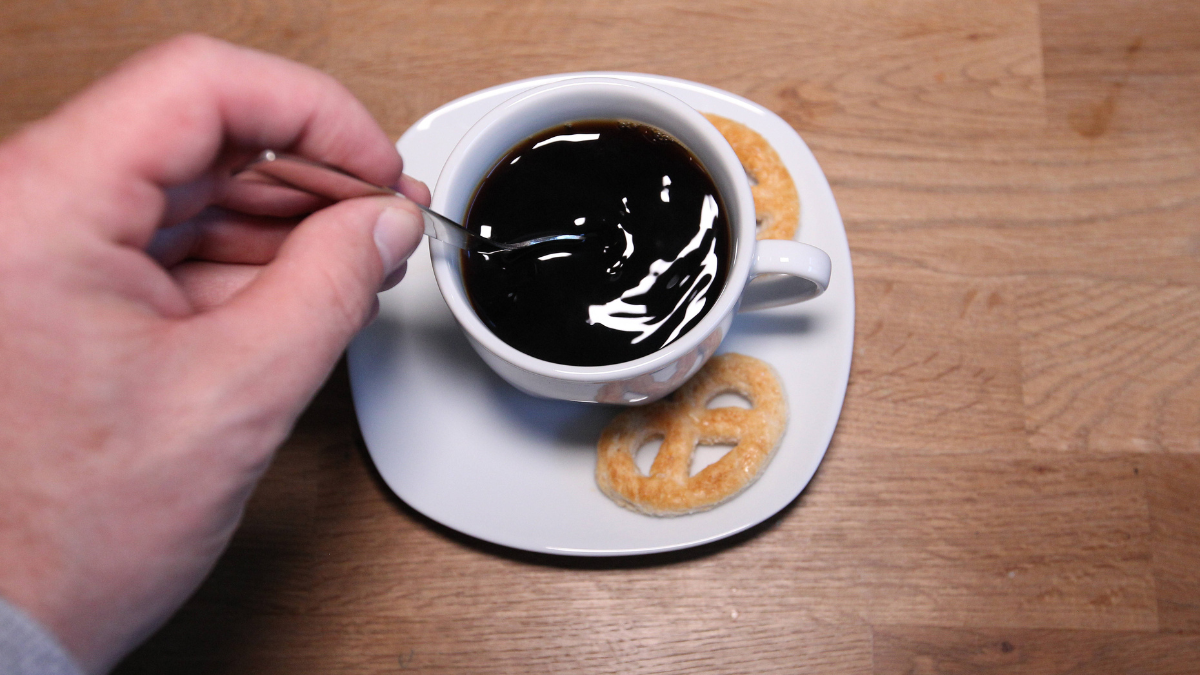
(165, 116)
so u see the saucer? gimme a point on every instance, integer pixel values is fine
(461, 446)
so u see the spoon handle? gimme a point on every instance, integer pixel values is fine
(333, 183)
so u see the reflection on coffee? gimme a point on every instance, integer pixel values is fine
(653, 262)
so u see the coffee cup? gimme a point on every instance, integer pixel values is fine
(761, 274)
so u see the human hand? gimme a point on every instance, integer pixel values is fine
(154, 350)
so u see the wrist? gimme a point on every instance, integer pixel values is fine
(28, 648)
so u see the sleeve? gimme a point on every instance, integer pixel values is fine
(28, 649)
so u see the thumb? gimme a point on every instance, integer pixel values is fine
(296, 317)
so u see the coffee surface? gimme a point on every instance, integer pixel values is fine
(654, 257)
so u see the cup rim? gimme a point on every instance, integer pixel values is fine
(740, 205)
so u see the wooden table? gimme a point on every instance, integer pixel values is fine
(1014, 484)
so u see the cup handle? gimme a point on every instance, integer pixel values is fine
(784, 272)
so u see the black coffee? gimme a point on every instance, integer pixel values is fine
(652, 263)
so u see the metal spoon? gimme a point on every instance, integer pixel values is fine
(333, 183)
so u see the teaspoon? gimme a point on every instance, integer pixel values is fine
(331, 182)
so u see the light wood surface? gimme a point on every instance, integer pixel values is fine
(1014, 486)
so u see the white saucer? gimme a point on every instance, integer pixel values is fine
(461, 446)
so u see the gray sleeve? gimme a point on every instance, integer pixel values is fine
(28, 649)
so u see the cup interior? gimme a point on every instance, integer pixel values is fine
(591, 99)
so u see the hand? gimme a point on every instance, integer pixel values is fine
(155, 348)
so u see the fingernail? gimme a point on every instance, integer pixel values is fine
(397, 233)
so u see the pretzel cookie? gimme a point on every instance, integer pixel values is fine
(776, 204)
(685, 421)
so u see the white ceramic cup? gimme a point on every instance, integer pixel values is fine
(762, 274)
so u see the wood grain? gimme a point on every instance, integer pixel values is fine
(934, 352)
(51, 50)
(932, 651)
(1174, 482)
(1111, 365)
(1011, 488)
